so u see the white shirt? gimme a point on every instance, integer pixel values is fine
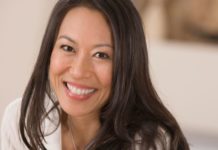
(10, 137)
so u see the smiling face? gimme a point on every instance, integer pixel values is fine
(80, 69)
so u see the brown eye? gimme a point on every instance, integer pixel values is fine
(67, 48)
(102, 55)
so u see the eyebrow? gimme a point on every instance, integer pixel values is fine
(71, 40)
(67, 38)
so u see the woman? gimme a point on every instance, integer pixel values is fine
(90, 88)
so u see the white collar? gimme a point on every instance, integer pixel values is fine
(53, 141)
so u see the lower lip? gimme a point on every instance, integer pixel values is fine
(73, 96)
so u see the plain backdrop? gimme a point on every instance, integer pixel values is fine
(22, 25)
(185, 74)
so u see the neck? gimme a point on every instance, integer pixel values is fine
(84, 129)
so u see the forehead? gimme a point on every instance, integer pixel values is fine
(82, 21)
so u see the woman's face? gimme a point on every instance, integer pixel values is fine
(80, 69)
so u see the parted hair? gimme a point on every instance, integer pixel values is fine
(134, 114)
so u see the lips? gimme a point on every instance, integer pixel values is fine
(79, 92)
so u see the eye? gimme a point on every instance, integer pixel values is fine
(102, 55)
(67, 48)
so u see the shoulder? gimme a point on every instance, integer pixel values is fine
(9, 126)
(162, 142)
(164, 139)
(13, 107)
(11, 113)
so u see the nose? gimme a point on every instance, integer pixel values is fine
(80, 67)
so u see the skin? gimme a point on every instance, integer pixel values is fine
(82, 56)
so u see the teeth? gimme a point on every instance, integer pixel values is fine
(79, 91)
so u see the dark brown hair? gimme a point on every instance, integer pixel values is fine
(133, 109)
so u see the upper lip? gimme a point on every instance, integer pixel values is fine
(81, 86)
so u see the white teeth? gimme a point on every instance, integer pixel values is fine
(79, 91)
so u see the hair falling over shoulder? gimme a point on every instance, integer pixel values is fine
(134, 117)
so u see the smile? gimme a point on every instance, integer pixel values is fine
(79, 90)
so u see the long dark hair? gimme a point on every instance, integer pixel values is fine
(134, 114)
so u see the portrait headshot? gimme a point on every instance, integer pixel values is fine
(90, 87)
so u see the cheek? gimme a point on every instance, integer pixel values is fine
(57, 68)
(57, 65)
(104, 74)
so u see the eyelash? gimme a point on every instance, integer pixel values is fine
(99, 55)
(67, 48)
